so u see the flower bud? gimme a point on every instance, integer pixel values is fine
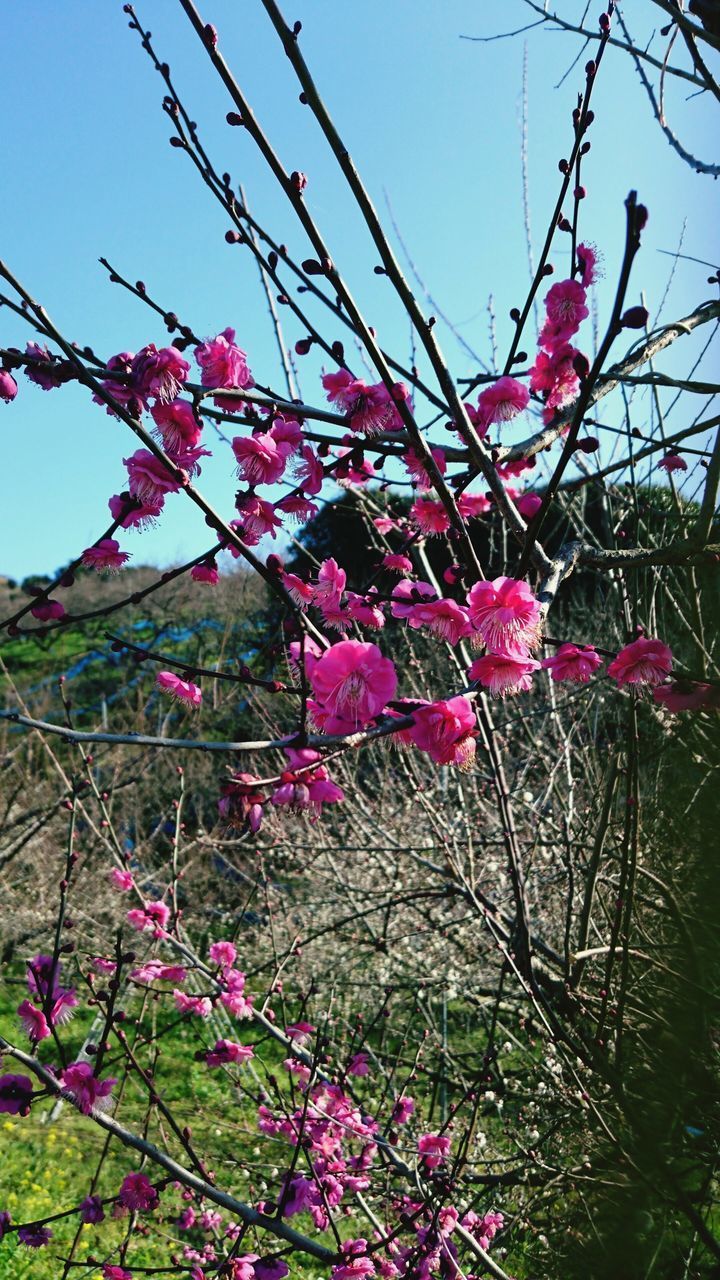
(635, 318)
(8, 386)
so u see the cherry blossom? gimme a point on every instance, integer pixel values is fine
(353, 681)
(645, 661)
(573, 662)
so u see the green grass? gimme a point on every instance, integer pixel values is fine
(47, 1165)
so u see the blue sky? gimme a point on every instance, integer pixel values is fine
(431, 119)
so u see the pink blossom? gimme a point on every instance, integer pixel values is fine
(223, 364)
(472, 505)
(418, 467)
(287, 431)
(477, 419)
(15, 1095)
(555, 376)
(396, 563)
(188, 460)
(573, 662)
(299, 1031)
(447, 1220)
(311, 651)
(182, 690)
(354, 469)
(385, 524)
(153, 916)
(105, 555)
(137, 1192)
(446, 730)
(125, 392)
(48, 611)
(353, 681)
(131, 513)
(34, 1022)
(205, 572)
(299, 509)
(337, 386)
(112, 1272)
(156, 971)
(199, 1006)
(672, 462)
(565, 310)
(356, 1264)
(8, 386)
(483, 1229)
(331, 581)
(335, 615)
(429, 516)
(506, 615)
(364, 610)
(502, 674)
(159, 373)
(257, 518)
(645, 661)
(260, 458)
(433, 1149)
(300, 592)
(310, 789)
(589, 262)
(176, 425)
(686, 696)
(234, 997)
(371, 409)
(148, 478)
(402, 1110)
(227, 1051)
(241, 802)
(309, 470)
(516, 467)
(358, 1065)
(223, 953)
(445, 619)
(122, 880)
(64, 1006)
(502, 401)
(45, 374)
(528, 504)
(241, 1267)
(408, 594)
(80, 1082)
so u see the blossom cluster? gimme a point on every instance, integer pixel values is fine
(352, 685)
(339, 1143)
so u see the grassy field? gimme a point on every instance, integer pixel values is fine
(46, 1164)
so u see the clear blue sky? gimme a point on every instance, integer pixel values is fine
(429, 118)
